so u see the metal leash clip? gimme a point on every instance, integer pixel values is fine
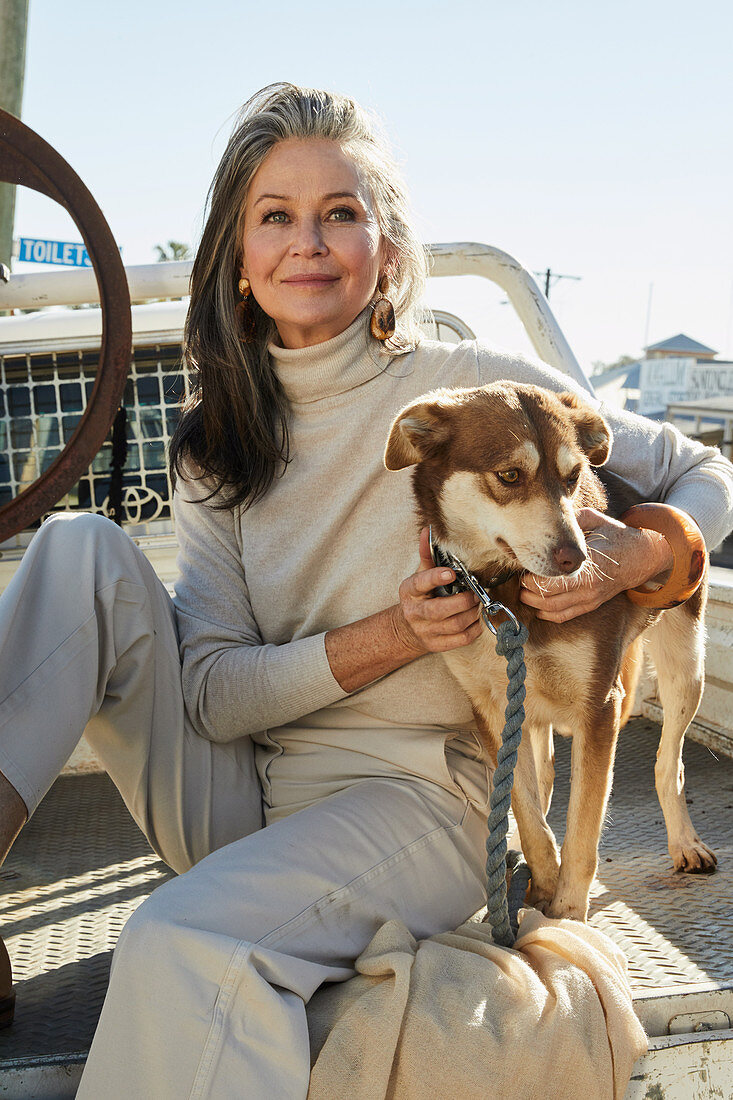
(466, 580)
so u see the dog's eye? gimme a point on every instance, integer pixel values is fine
(508, 476)
(572, 480)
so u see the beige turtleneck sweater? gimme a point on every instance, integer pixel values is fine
(334, 537)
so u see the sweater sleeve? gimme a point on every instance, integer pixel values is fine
(656, 460)
(233, 683)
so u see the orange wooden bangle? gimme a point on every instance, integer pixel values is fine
(688, 550)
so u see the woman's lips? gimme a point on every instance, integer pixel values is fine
(310, 280)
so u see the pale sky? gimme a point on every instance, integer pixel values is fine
(591, 138)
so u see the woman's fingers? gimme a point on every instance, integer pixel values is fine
(439, 608)
(434, 610)
(556, 592)
(426, 557)
(454, 624)
(421, 585)
(559, 599)
(455, 630)
(444, 642)
(436, 623)
(564, 606)
(619, 557)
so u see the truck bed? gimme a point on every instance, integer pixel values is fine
(81, 866)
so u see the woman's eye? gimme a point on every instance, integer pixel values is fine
(343, 214)
(508, 476)
(276, 216)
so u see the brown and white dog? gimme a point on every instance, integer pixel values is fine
(500, 473)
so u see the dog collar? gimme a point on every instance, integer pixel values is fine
(445, 558)
(465, 581)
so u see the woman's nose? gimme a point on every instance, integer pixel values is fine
(308, 238)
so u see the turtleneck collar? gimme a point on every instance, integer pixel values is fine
(336, 365)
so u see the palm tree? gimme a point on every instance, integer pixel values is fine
(173, 250)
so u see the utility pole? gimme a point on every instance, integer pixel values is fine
(548, 275)
(648, 316)
(13, 28)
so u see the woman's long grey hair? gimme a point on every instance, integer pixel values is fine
(234, 429)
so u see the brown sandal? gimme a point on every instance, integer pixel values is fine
(7, 993)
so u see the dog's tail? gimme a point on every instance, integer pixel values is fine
(630, 673)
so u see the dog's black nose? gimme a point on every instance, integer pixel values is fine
(568, 557)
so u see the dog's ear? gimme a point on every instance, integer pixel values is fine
(594, 434)
(415, 433)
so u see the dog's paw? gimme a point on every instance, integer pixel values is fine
(565, 908)
(693, 856)
(541, 893)
(538, 901)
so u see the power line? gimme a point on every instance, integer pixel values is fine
(549, 275)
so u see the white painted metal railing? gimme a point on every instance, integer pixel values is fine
(528, 301)
(79, 285)
(170, 280)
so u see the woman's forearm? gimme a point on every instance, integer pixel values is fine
(362, 652)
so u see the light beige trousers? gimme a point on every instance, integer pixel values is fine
(212, 973)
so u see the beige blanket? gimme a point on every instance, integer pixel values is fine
(457, 1018)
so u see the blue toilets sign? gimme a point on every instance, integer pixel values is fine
(68, 254)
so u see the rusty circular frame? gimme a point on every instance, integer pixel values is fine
(28, 160)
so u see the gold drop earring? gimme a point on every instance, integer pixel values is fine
(244, 309)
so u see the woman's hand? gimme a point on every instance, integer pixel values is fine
(619, 557)
(425, 623)
(361, 652)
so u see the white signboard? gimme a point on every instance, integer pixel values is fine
(668, 381)
(707, 380)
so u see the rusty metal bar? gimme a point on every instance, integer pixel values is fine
(28, 160)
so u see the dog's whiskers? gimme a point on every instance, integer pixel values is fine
(542, 588)
(598, 572)
(597, 535)
(606, 556)
(593, 571)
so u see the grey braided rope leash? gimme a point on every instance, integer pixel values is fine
(511, 636)
(510, 644)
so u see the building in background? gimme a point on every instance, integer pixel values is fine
(682, 381)
(678, 379)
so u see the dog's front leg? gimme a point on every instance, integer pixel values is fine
(538, 840)
(543, 746)
(594, 747)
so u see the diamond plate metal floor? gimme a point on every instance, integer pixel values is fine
(76, 873)
(81, 866)
(674, 928)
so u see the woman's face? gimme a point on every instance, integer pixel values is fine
(312, 248)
